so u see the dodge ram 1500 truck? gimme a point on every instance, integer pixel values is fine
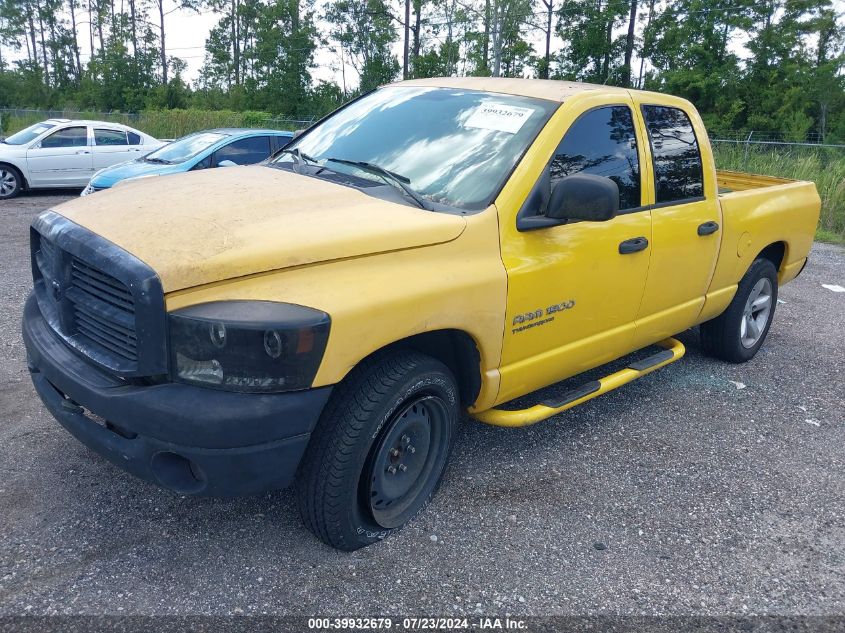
(434, 246)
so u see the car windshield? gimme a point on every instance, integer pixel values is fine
(184, 148)
(26, 135)
(452, 147)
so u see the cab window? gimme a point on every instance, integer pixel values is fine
(68, 137)
(678, 175)
(602, 142)
(109, 137)
(134, 139)
(246, 151)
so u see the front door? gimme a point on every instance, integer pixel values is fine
(574, 290)
(62, 159)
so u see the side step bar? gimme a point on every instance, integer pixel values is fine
(674, 350)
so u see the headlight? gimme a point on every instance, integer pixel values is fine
(255, 346)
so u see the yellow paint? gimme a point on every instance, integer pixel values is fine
(387, 271)
(539, 412)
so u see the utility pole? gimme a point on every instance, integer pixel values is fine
(407, 25)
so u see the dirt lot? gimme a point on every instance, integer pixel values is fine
(705, 488)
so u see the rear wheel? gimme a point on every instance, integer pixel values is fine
(379, 451)
(10, 182)
(738, 333)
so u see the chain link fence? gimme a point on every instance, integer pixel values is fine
(774, 154)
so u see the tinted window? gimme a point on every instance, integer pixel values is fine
(602, 142)
(674, 149)
(246, 151)
(455, 147)
(109, 137)
(68, 137)
(134, 139)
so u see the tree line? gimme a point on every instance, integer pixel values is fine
(764, 65)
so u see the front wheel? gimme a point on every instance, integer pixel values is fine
(738, 333)
(10, 182)
(379, 451)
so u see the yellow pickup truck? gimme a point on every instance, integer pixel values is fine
(433, 247)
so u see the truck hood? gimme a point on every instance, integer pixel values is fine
(201, 227)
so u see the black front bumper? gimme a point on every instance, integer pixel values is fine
(189, 439)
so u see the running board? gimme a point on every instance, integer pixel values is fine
(674, 350)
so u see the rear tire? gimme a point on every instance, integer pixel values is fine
(378, 453)
(738, 333)
(11, 182)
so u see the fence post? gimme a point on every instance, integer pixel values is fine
(747, 145)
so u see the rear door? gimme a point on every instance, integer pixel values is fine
(111, 146)
(686, 220)
(61, 159)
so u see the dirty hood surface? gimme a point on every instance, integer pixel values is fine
(217, 224)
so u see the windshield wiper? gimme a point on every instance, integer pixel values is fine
(300, 157)
(397, 180)
(160, 161)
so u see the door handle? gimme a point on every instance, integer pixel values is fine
(83, 151)
(708, 228)
(634, 245)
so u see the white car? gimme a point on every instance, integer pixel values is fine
(63, 153)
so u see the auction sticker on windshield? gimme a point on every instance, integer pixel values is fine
(499, 117)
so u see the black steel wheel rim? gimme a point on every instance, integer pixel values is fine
(407, 461)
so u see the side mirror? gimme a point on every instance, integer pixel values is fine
(227, 163)
(584, 197)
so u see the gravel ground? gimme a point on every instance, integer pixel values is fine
(681, 493)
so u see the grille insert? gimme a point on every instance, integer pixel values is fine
(103, 310)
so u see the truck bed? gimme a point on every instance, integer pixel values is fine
(760, 211)
(730, 181)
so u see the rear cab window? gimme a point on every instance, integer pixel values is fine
(678, 172)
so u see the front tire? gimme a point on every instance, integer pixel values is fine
(738, 333)
(378, 453)
(11, 182)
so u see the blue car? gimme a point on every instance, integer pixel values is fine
(201, 150)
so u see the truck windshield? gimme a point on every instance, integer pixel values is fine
(27, 134)
(184, 148)
(452, 147)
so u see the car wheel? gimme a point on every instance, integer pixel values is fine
(738, 333)
(378, 453)
(10, 182)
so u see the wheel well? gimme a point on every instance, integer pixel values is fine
(774, 253)
(24, 183)
(457, 350)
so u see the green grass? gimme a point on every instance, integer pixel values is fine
(158, 123)
(824, 166)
